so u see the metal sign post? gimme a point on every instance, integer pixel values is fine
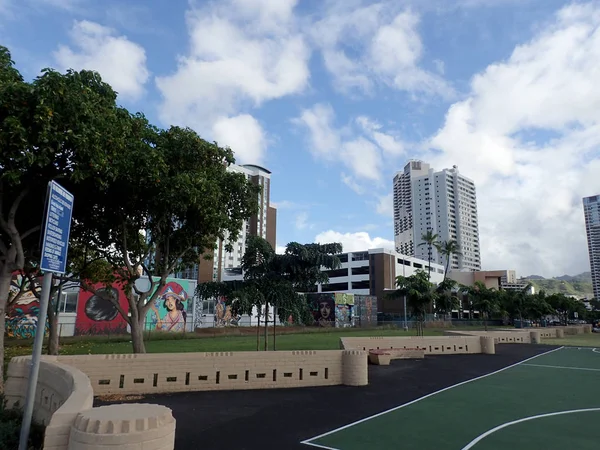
(57, 227)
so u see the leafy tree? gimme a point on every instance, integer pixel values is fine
(447, 249)
(446, 297)
(173, 197)
(63, 127)
(595, 304)
(276, 280)
(484, 300)
(430, 239)
(419, 292)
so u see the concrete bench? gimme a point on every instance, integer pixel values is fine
(383, 357)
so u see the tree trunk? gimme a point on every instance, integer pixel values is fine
(5, 278)
(137, 332)
(485, 320)
(258, 330)
(266, 326)
(54, 332)
(274, 333)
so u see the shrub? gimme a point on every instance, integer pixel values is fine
(10, 428)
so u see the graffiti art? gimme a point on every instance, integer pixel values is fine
(323, 309)
(168, 313)
(22, 315)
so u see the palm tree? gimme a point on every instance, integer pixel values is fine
(448, 248)
(430, 239)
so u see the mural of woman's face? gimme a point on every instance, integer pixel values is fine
(325, 310)
(170, 303)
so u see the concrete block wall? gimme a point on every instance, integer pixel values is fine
(432, 345)
(62, 393)
(500, 337)
(177, 372)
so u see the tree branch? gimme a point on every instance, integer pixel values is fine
(126, 251)
(30, 231)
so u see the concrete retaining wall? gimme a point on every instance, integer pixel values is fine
(432, 345)
(67, 385)
(500, 337)
(62, 393)
(177, 372)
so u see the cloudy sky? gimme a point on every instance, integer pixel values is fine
(334, 96)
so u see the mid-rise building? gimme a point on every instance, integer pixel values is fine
(591, 209)
(444, 203)
(263, 224)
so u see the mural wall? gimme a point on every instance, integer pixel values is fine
(96, 314)
(21, 317)
(170, 309)
(365, 310)
(323, 308)
(344, 304)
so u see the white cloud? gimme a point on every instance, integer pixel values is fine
(352, 184)
(242, 54)
(244, 134)
(362, 146)
(301, 221)
(362, 46)
(529, 135)
(121, 62)
(280, 249)
(385, 205)
(352, 242)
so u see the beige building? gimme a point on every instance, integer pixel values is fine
(492, 279)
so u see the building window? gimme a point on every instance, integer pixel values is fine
(68, 302)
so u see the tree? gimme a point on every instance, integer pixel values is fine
(276, 280)
(173, 197)
(447, 249)
(595, 304)
(446, 297)
(63, 127)
(484, 300)
(419, 292)
(430, 240)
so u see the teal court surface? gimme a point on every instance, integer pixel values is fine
(550, 401)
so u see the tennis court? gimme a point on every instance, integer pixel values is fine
(550, 401)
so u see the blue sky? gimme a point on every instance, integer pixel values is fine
(335, 96)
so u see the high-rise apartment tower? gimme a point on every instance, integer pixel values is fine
(262, 224)
(591, 209)
(443, 202)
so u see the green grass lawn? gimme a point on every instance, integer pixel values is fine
(578, 340)
(328, 340)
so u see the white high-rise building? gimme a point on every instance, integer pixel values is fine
(591, 209)
(444, 202)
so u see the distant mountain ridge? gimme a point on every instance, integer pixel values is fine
(579, 285)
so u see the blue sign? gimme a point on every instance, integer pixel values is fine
(57, 228)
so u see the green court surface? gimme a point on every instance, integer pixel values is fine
(550, 401)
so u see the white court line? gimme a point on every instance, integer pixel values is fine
(595, 350)
(561, 367)
(525, 419)
(308, 441)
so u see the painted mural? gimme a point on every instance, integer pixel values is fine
(323, 309)
(344, 305)
(169, 311)
(365, 310)
(21, 317)
(223, 314)
(96, 314)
